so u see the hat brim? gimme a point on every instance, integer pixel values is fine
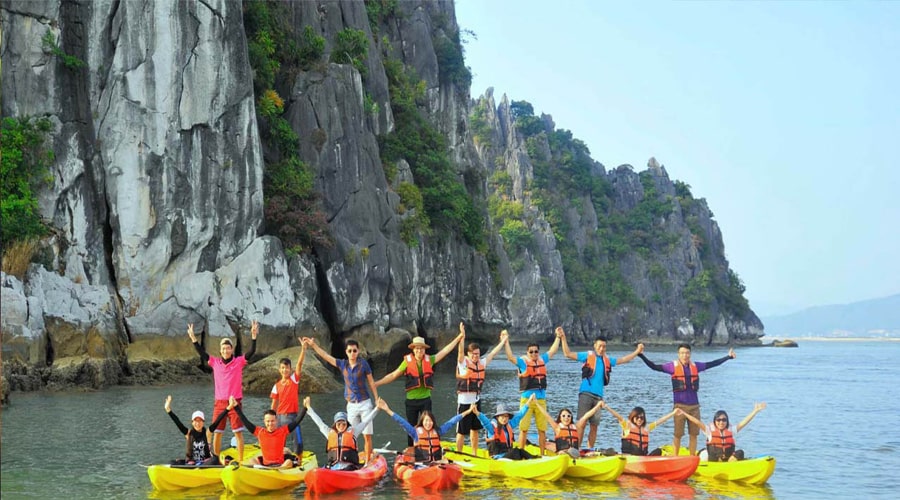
(426, 346)
(508, 413)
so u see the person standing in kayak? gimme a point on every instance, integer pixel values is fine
(595, 375)
(228, 377)
(271, 437)
(419, 370)
(286, 395)
(533, 382)
(426, 438)
(470, 370)
(341, 438)
(720, 434)
(360, 391)
(685, 376)
(198, 451)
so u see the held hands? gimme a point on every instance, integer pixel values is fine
(168, 405)
(191, 333)
(531, 400)
(640, 348)
(462, 329)
(731, 353)
(504, 336)
(474, 408)
(560, 333)
(302, 343)
(679, 412)
(232, 402)
(254, 329)
(306, 402)
(381, 403)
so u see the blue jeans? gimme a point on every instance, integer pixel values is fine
(285, 419)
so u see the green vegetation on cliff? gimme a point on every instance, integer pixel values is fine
(24, 168)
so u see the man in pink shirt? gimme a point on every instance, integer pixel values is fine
(228, 374)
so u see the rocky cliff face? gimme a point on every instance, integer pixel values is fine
(157, 202)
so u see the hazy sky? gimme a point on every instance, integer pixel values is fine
(785, 116)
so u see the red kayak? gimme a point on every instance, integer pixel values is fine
(432, 476)
(662, 468)
(324, 480)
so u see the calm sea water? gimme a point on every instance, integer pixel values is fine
(827, 405)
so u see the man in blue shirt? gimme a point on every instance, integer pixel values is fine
(533, 382)
(595, 374)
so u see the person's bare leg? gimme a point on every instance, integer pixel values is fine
(460, 441)
(692, 444)
(592, 436)
(473, 438)
(239, 437)
(368, 447)
(542, 440)
(676, 445)
(522, 435)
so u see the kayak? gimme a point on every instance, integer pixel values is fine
(591, 468)
(756, 470)
(250, 452)
(662, 468)
(179, 477)
(433, 476)
(324, 480)
(546, 468)
(252, 479)
(749, 471)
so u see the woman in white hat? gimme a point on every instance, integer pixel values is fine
(419, 371)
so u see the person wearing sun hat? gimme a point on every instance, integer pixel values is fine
(419, 371)
(501, 436)
(341, 438)
(197, 450)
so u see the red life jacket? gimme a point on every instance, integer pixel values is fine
(535, 374)
(428, 446)
(637, 441)
(721, 445)
(567, 437)
(342, 447)
(679, 378)
(415, 379)
(474, 377)
(587, 370)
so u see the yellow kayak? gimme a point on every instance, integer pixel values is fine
(595, 468)
(755, 470)
(179, 477)
(253, 479)
(547, 468)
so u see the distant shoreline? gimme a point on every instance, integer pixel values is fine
(834, 339)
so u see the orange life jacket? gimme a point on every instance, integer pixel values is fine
(535, 374)
(503, 436)
(637, 442)
(721, 446)
(342, 446)
(474, 377)
(587, 370)
(567, 437)
(415, 379)
(679, 378)
(428, 446)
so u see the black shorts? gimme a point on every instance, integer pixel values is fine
(470, 422)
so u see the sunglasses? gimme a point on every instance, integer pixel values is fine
(533, 351)
(352, 350)
(641, 417)
(721, 420)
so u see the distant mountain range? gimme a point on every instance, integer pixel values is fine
(869, 318)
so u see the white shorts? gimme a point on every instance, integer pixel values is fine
(356, 412)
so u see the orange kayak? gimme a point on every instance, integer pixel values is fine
(662, 468)
(433, 476)
(324, 480)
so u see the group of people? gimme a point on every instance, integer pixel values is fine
(417, 368)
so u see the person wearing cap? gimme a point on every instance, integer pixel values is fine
(532, 368)
(426, 438)
(228, 378)
(341, 438)
(419, 370)
(197, 450)
(595, 375)
(285, 395)
(359, 386)
(470, 371)
(500, 434)
(271, 437)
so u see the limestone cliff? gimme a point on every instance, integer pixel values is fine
(158, 201)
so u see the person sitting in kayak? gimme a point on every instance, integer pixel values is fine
(198, 451)
(426, 439)
(271, 437)
(720, 443)
(636, 430)
(566, 433)
(341, 446)
(500, 434)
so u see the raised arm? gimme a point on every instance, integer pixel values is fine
(204, 356)
(758, 407)
(461, 350)
(372, 387)
(553, 348)
(547, 416)
(408, 427)
(365, 421)
(323, 429)
(560, 334)
(628, 357)
(504, 340)
(716, 362)
(299, 367)
(449, 347)
(232, 404)
(515, 419)
(446, 426)
(622, 420)
(653, 366)
(328, 358)
(703, 427)
(509, 354)
(661, 420)
(168, 408)
(582, 420)
(254, 331)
